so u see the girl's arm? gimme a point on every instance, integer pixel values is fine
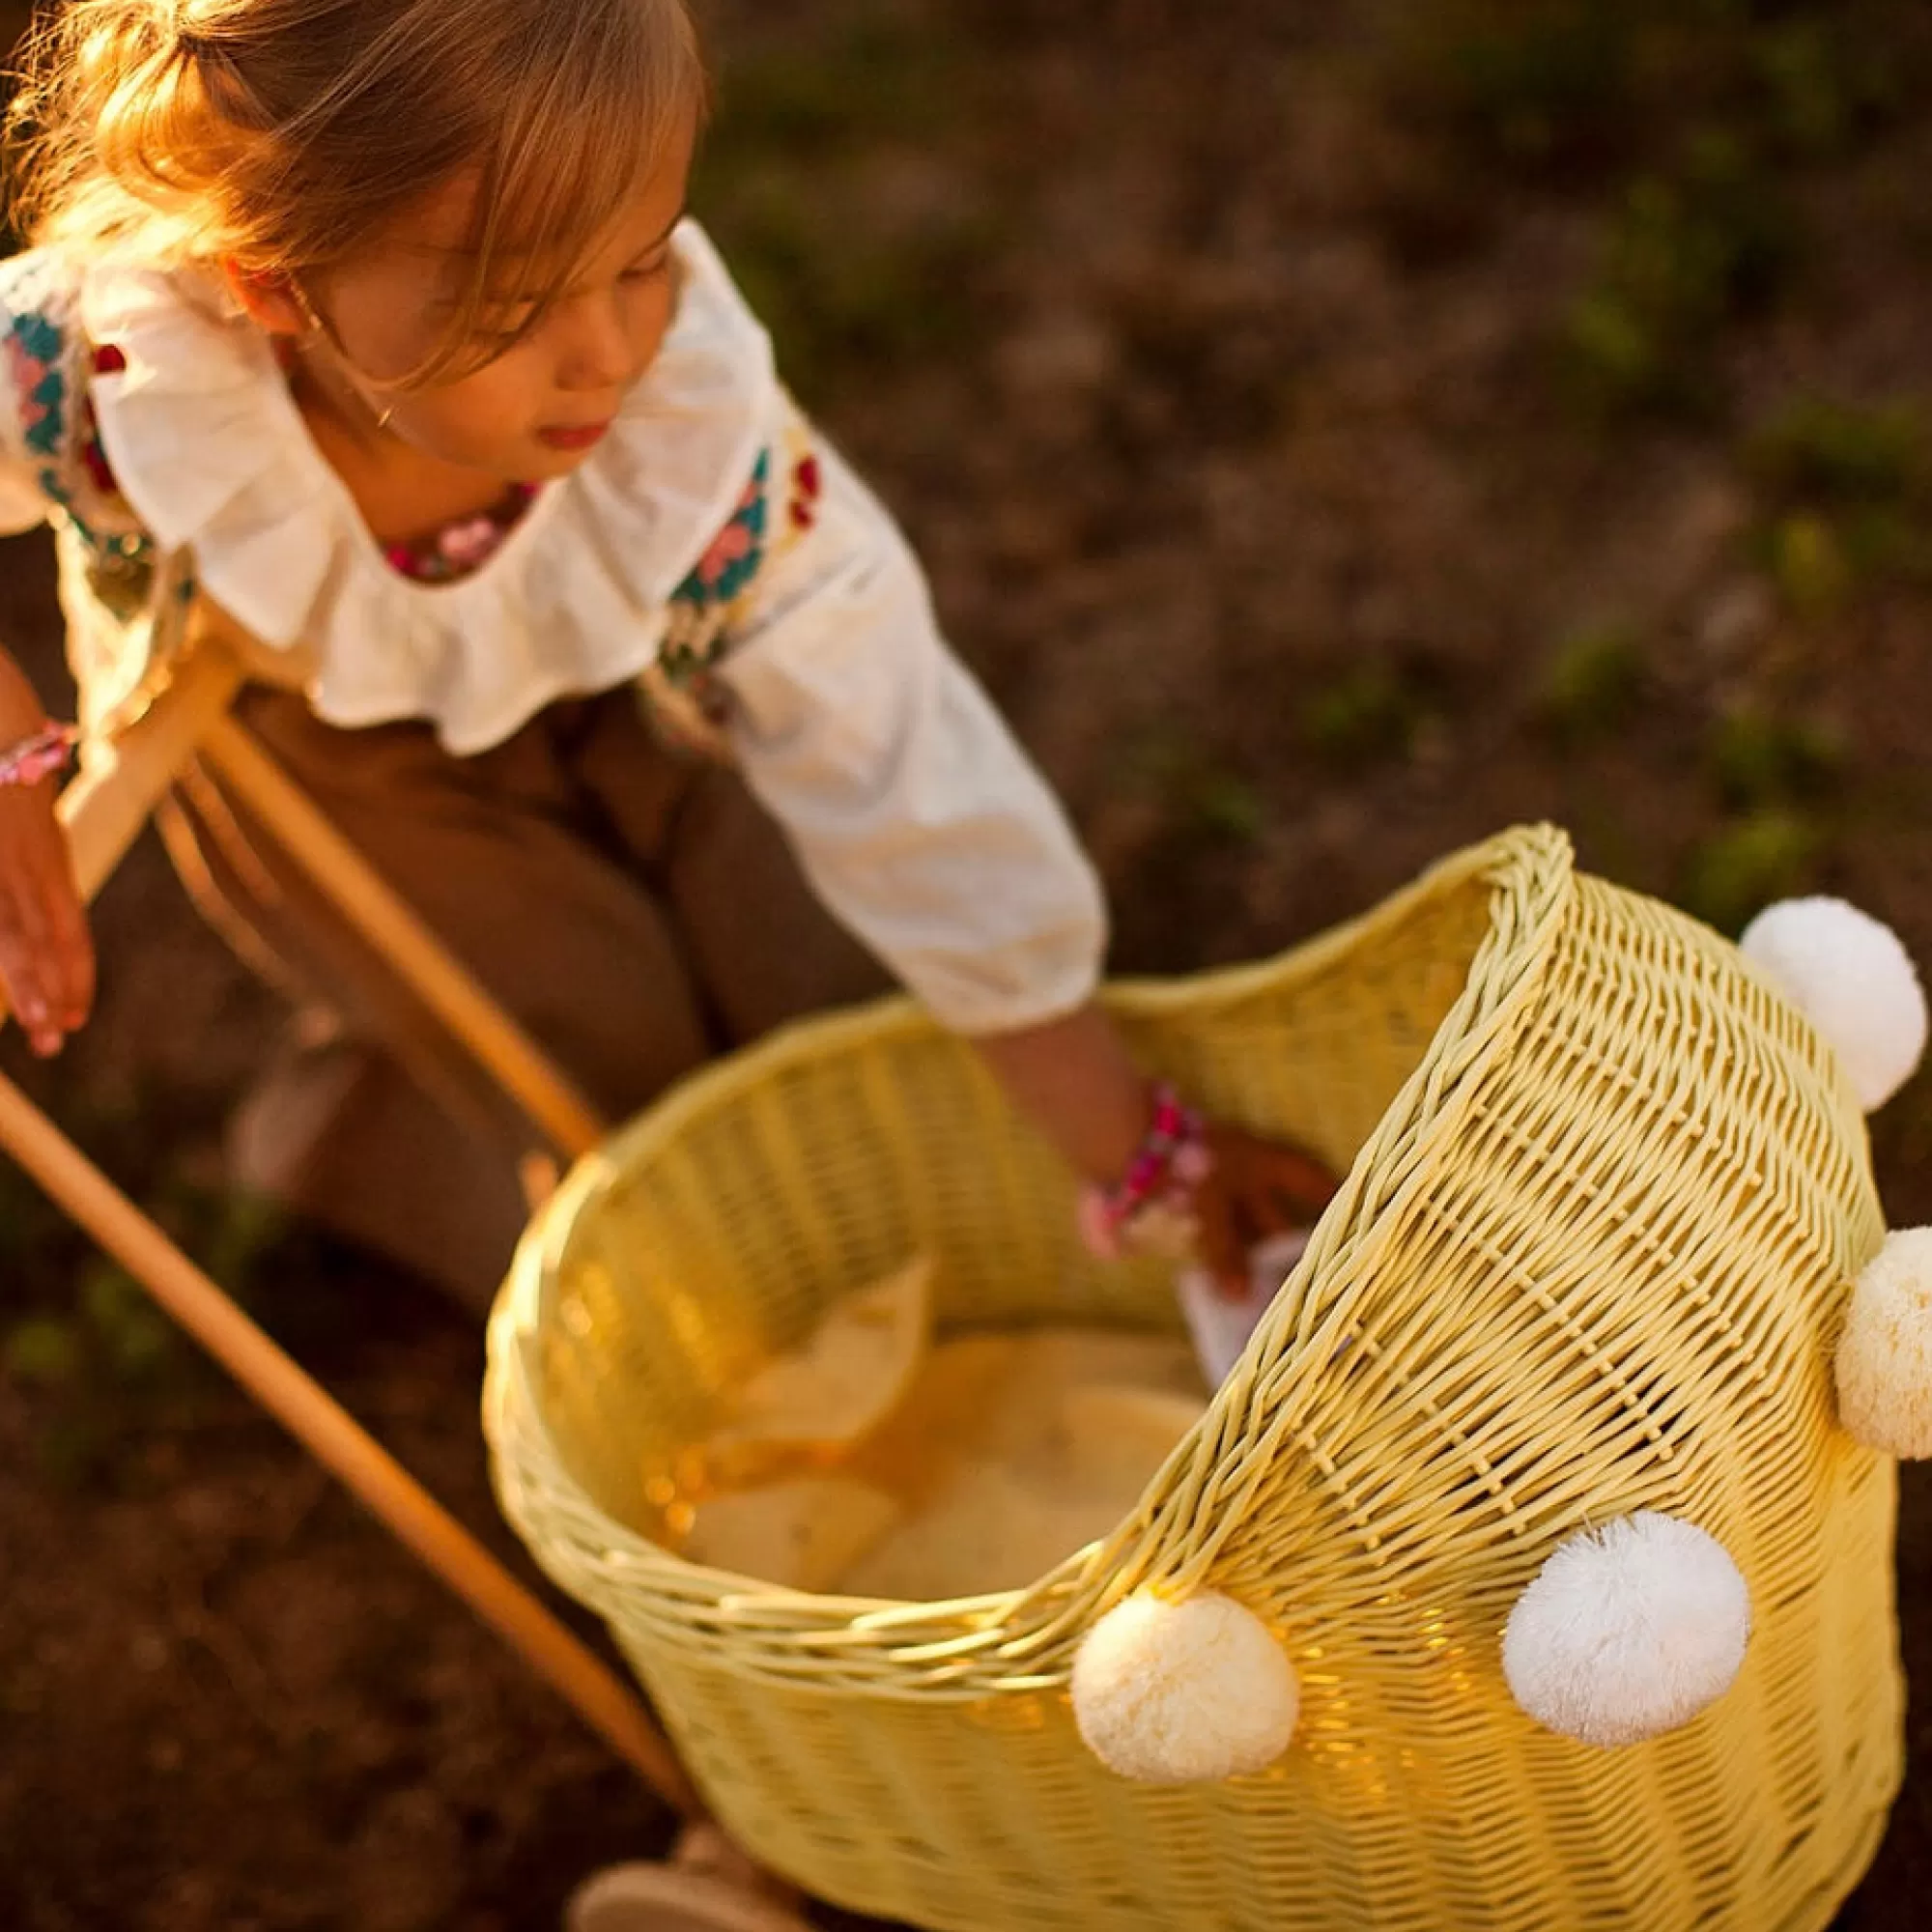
(921, 825)
(1074, 1077)
(46, 958)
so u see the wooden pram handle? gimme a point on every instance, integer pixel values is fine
(103, 812)
(339, 1443)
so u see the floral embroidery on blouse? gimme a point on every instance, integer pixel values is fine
(107, 361)
(805, 487)
(33, 350)
(118, 563)
(685, 698)
(700, 606)
(704, 604)
(735, 552)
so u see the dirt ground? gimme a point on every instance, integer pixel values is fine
(1334, 434)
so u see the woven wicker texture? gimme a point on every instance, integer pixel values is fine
(1605, 1194)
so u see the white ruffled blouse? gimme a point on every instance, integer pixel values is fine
(712, 533)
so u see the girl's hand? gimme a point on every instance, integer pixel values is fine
(46, 956)
(1075, 1077)
(1255, 1188)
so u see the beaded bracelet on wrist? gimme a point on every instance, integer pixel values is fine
(1150, 1208)
(39, 755)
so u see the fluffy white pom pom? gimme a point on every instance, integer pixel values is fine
(1853, 980)
(1628, 1631)
(1885, 1355)
(1173, 1694)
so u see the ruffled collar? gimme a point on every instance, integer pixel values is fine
(207, 446)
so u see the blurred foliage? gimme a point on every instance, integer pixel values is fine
(1548, 81)
(1591, 682)
(1843, 499)
(1826, 79)
(837, 303)
(1806, 560)
(1697, 117)
(1758, 759)
(1769, 853)
(1777, 781)
(870, 72)
(100, 1359)
(1201, 798)
(818, 186)
(1684, 254)
(1581, 88)
(1814, 449)
(1200, 819)
(1365, 714)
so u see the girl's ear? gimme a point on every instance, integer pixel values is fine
(266, 300)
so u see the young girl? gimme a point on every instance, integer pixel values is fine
(373, 336)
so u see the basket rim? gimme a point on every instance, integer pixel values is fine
(1023, 1639)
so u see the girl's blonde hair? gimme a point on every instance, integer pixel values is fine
(284, 134)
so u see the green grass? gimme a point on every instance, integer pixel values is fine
(1808, 562)
(1591, 683)
(1363, 716)
(1825, 81)
(1202, 801)
(42, 1351)
(1778, 781)
(1766, 854)
(1816, 449)
(1516, 82)
(1759, 759)
(1843, 498)
(1687, 253)
(800, 180)
(840, 304)
(96, 1359)
(1576, 84)
(1703, 114)
(866, 73)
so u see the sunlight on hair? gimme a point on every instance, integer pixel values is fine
(288, 136)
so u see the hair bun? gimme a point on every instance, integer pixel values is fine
(180, 30)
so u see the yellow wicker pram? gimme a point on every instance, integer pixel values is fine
(1605, 1193)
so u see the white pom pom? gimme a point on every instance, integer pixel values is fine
(1885, 1355)
(1853, 980)
(1628, 1631)
(1174, 1694)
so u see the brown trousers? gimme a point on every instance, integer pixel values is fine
(631, 907)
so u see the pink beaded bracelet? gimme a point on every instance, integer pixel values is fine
(39, 756)
(1151, 1206)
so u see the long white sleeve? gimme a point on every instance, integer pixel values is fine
(915, 815)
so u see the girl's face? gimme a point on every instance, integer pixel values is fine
(534, 412)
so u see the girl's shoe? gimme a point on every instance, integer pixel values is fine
(708, 1886)
(667, 1898)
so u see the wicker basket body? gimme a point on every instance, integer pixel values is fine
(1605, 1193)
